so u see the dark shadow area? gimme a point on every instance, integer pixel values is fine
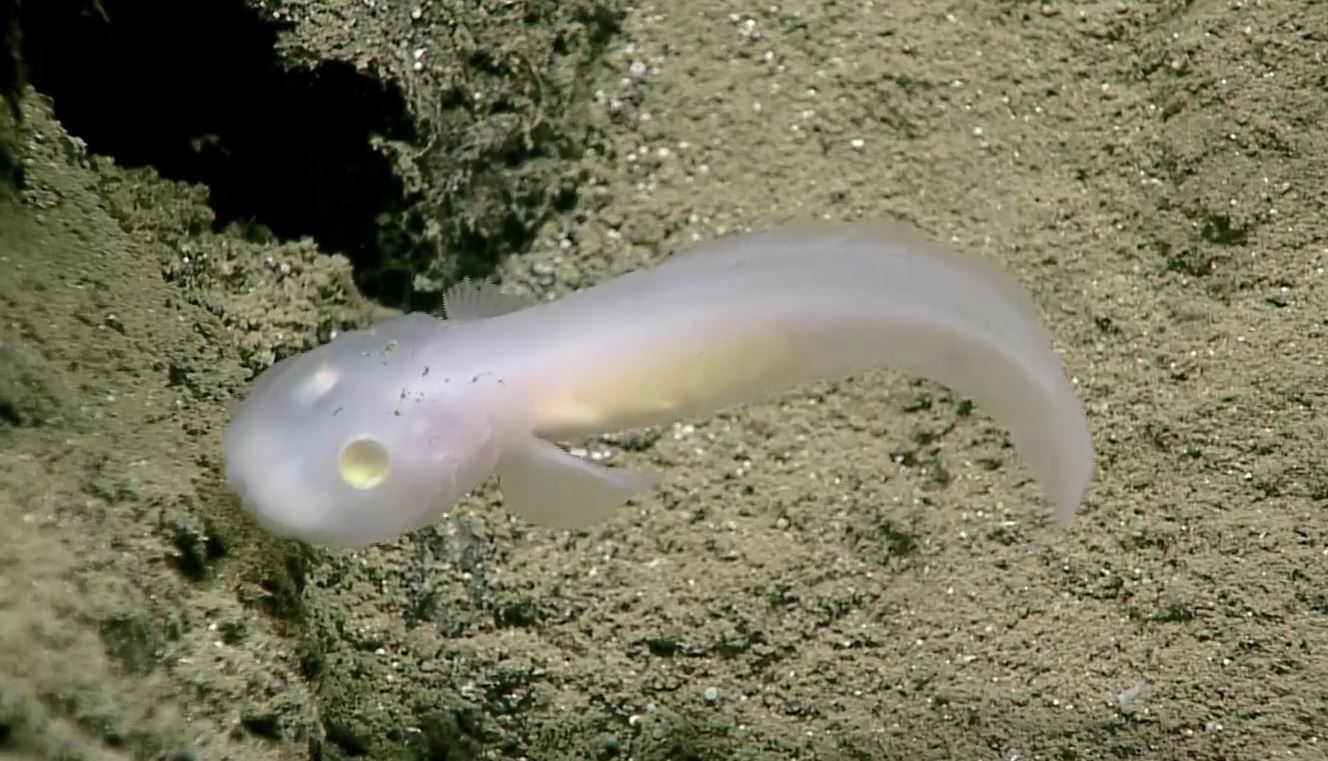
(196, 91)
(11, 83)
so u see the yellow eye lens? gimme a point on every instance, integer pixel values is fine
(363, 463)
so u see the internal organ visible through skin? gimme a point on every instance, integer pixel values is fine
(663, 383)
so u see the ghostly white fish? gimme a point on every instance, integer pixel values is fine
(380, 431)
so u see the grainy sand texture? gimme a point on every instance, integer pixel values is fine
(858, 570)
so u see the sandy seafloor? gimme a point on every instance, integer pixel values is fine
(852, 571)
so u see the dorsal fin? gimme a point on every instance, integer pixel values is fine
(475, 300)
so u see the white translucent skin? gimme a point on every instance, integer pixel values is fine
(733, 321)
(281, 450)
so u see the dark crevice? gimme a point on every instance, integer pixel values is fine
(196, 91)
(11, 86)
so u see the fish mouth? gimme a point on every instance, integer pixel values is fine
(238, 486)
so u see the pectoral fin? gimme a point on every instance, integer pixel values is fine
(552, 488)
(470, 300)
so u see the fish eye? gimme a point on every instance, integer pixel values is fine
(363, 463)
